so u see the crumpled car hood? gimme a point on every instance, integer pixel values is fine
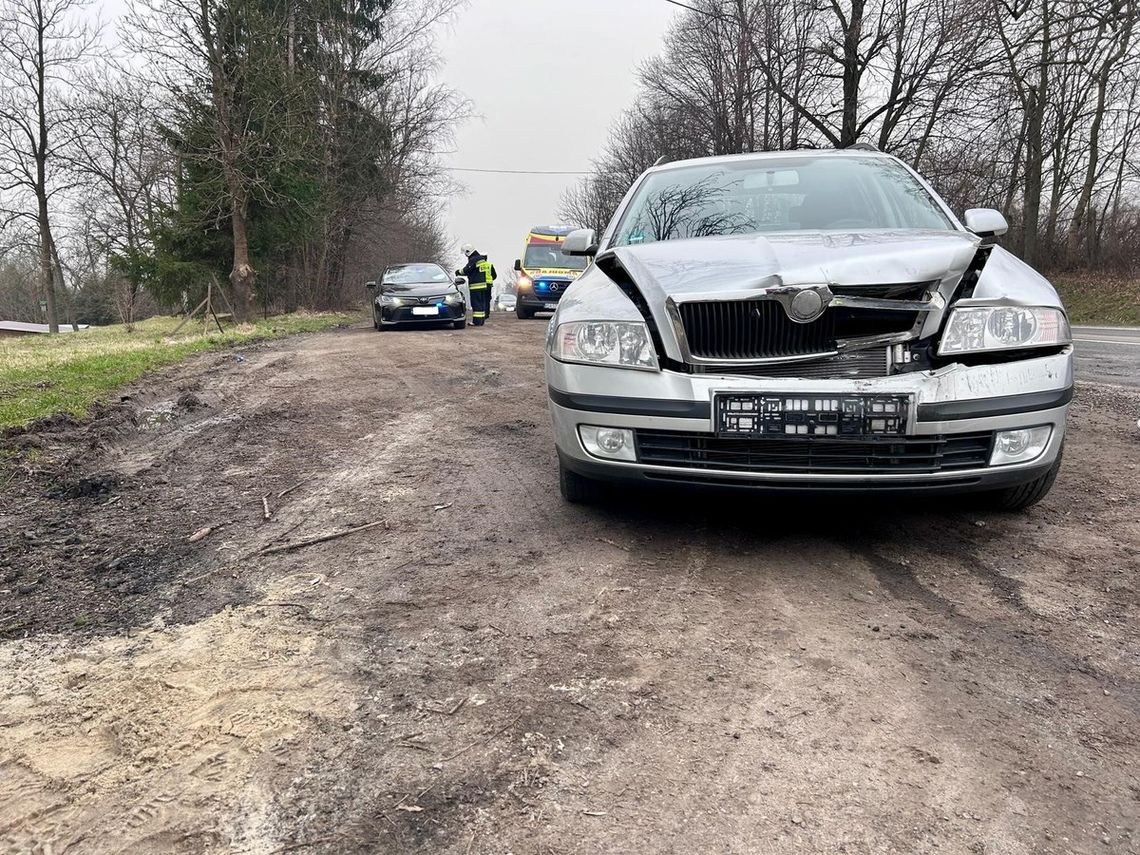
(737, 266)
(735, 263)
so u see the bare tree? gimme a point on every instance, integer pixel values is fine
(222, 66)
(1110, 49)
(125, 169)
(42, 45)
(1025, 105)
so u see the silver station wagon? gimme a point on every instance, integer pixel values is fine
(807, 321)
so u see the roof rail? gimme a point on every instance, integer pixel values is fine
(863, 146)
(662, 160)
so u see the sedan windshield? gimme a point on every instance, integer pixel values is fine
(779, 194)
(413, 274)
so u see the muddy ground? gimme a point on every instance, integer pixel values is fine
(491, 670)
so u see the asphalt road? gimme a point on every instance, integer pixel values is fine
(1108, 355)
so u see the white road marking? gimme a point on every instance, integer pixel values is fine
(1107, 341)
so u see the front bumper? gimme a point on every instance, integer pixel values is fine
(448, 313)
(948, 403)
(538, 302)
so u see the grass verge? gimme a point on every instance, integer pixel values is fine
(41, 376)
(1098, 298)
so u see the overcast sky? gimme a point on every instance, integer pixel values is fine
(546, 78)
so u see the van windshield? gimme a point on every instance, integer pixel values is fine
(540, 255)
(779, 194)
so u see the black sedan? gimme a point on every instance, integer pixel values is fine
(414, 294)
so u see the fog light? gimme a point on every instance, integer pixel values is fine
(610, 443)
(1020, 446)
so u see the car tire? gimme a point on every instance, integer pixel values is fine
(577, 489)
(1026, 495)
(459, 325)
(523, 314)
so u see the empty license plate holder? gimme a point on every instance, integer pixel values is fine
(828, 416)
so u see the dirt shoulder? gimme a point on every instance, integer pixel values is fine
(490, 670)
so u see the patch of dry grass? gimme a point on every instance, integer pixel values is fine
(1100, 298)
(44, 375)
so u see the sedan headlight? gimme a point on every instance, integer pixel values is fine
(980, 329)
(621, 344)
(389, 300)
(453, 299)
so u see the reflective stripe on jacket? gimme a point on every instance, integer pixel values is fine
(480, 272)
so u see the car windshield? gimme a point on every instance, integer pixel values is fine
(779, 194)
(413, 274)
(549, 255)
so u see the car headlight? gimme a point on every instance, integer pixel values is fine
(979, 329)
(524, 282)
(454, 299)
(621, 344)
(389, 300)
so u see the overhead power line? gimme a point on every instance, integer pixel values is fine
(517, 171)
(704, 12)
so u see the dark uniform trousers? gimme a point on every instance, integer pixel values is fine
(480, 287)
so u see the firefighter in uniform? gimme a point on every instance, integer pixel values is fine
(480, 273)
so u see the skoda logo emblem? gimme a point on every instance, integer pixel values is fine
(806, 306)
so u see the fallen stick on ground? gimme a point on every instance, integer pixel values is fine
(265, 506)
(484, 741)
(289, 490)
(614, 544)
(205, 531)
(312, 541)
(411, 603)
(420, 796)
(445, 711)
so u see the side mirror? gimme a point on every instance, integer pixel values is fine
(459, 280)
(370, 284)
(580, 242)
(518, 265)
(986, 222)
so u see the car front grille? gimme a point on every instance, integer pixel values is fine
(854, 365)
(761, 329)
(554, 289)
(810, 455)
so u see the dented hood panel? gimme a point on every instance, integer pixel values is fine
(1007, 278)
(703, 267)
(750, 261)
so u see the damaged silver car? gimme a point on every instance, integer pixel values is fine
(807, 321)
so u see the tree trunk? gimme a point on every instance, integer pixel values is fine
(243, 277)
(849, 134)
(1034, 157)
(60, 285)
(47, 273)
(1085, 199)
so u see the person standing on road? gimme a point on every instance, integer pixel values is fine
(480, 273)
